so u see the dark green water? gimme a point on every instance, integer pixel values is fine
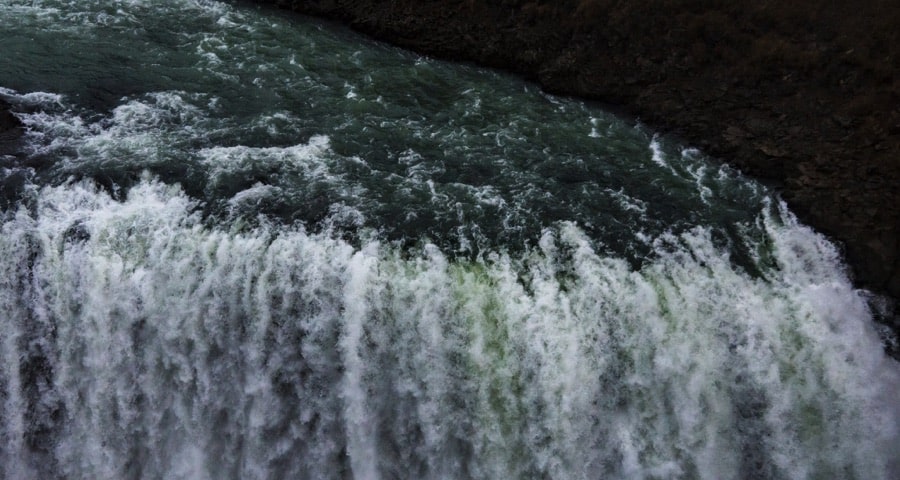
(243, 244)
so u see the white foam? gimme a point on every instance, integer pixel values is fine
(658, 156)
(253, 196)
(562, 361)
(309, 158)
(33, 99)
(140, 132)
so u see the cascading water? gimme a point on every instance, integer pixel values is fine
(245, 245)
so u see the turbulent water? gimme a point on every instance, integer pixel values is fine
(242, 244)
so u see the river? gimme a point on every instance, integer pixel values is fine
(246, 244)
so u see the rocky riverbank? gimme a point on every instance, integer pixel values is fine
(803, 95)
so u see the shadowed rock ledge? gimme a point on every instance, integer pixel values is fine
(10, 128)
(7, 120)
(803, 95)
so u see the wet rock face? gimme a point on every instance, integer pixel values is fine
(10, 131)
(8, 121)
(804, 95)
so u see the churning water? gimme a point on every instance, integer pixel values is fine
(242, 244)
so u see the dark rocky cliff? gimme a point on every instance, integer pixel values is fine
(804, 94)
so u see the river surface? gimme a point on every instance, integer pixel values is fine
(245, 244)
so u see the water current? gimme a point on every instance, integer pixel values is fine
(243, 244)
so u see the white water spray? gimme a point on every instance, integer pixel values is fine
(138, 342)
